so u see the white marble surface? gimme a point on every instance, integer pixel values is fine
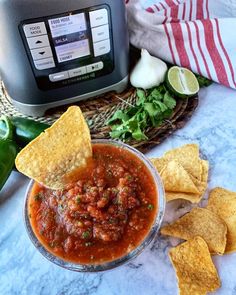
(24, 271)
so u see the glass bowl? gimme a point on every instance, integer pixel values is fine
(128, 257)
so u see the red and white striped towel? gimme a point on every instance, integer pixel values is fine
(197, 34)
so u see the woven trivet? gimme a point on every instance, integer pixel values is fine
(98, 110)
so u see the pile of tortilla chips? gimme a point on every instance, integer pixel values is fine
(210, 230)
(183, 173)
(214, 226)
(57, 152)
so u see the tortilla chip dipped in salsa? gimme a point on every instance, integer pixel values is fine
(195, 270)
(57, 152)
(183, 173)
(200, 222)
(223, 203)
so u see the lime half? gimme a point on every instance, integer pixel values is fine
(182, 82)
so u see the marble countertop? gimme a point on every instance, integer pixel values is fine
(23, 270)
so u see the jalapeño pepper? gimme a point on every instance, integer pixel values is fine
(8, 151)
(25, 130)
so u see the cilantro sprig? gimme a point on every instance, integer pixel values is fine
(203, 82)
(151, 109)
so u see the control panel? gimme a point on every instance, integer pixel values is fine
(69, 48)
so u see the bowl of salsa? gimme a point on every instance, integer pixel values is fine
(105, 218)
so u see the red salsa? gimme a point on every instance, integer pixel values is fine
(101, 217)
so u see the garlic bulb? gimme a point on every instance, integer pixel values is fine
(149, 72)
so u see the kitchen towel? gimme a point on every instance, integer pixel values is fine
(197, 34)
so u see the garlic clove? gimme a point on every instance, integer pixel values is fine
(149, 72)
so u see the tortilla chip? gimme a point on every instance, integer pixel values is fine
(195, 270)
(189, 184)
(200, 222)
(159, 163)
(223, 202)
(188, 157)
(176, 179)
(231, 235)
(205, 170)
(57, 152)
(193, 198)
(200, 184)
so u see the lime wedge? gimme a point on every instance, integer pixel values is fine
(182, 82)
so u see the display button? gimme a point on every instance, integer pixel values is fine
(102, 47)
(77, 72)
(36, 29)
(41, 53)
(100, 33)
(44, 64)
(98, 17)
(95, 67)
(38, 42)
(59, 76)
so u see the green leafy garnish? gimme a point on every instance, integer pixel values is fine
(169, 101)
(119, 115)
(86, 235)
(203, 82)
(38, 196)
(151, 108)
(105, 195)
(141, 97)
(150, 206)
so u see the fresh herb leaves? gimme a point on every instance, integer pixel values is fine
(86, 234)
(151, 108)
(39, 196)
(150, 207)
(78, 199)
(203, 82)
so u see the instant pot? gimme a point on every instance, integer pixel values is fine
(58, 52)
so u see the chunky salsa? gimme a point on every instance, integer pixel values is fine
(101, 217)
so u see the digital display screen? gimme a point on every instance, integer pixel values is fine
(70, 37)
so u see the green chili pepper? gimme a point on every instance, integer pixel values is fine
(25, 130)
(8, 151)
